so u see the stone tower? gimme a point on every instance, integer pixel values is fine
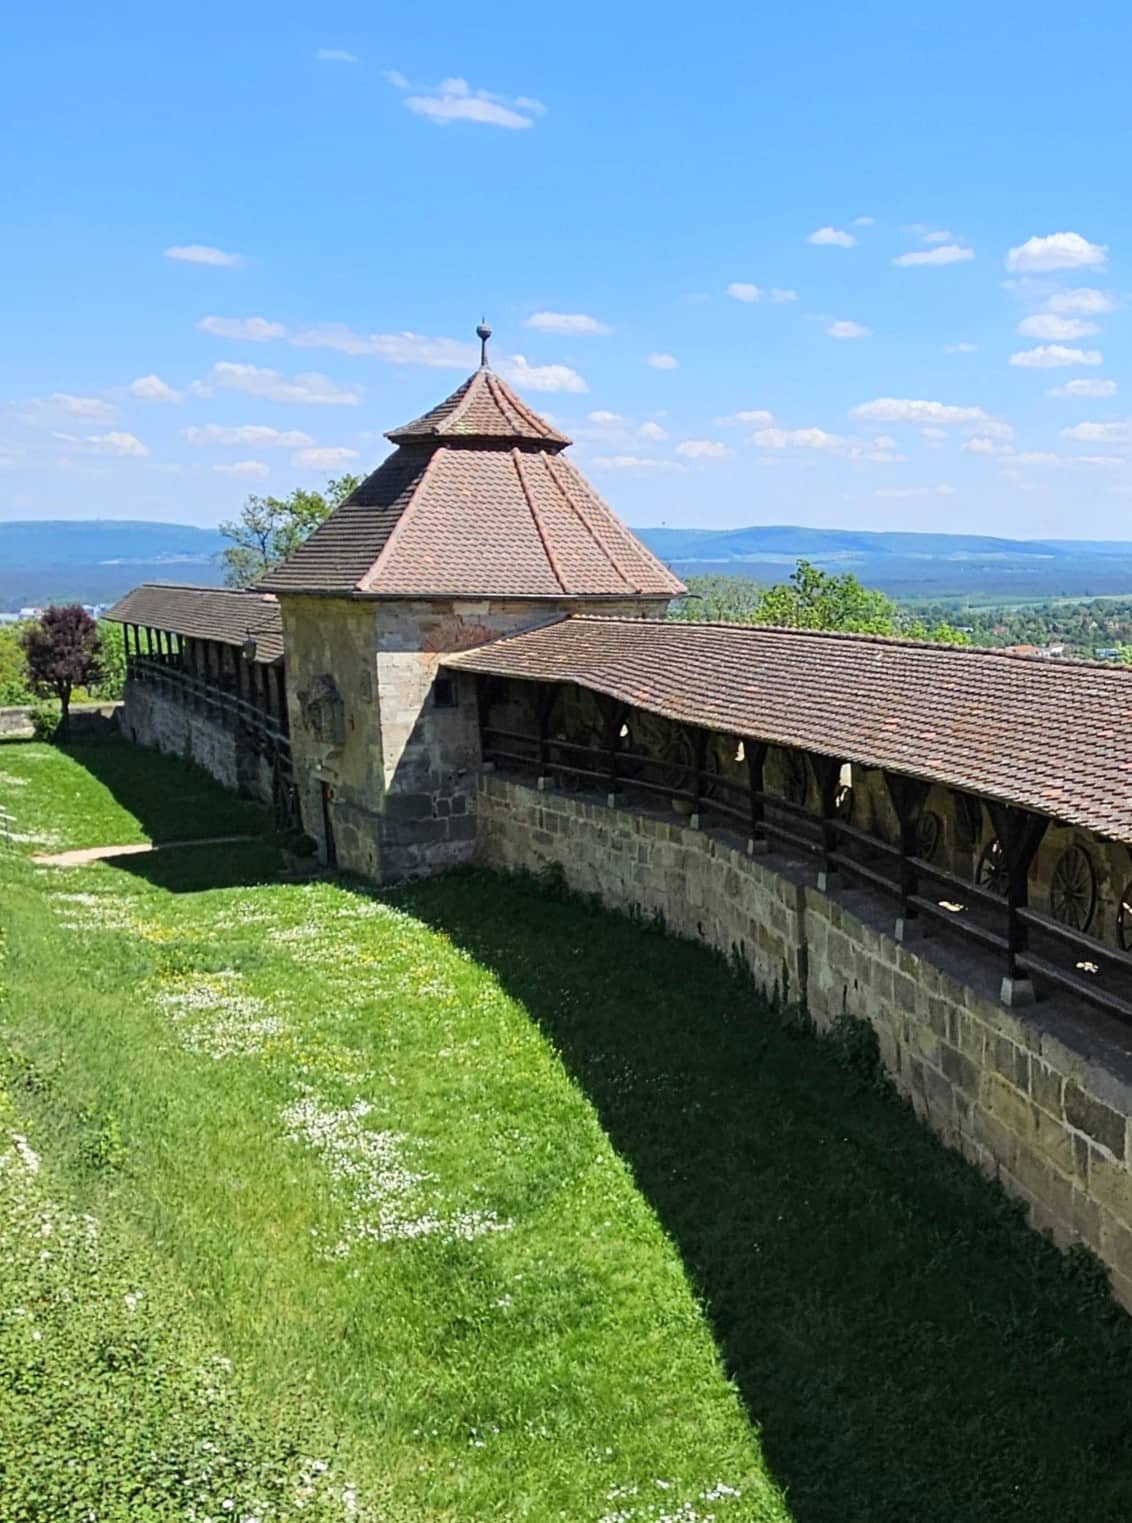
(475, 526)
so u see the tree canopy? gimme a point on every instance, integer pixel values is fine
(811, 599)
(62, 653)
(269, 528)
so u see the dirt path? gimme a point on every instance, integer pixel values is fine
(100, 853)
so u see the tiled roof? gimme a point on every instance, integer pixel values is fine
(483, 509)
(1051, 736)
(484, 407)
(205, 613)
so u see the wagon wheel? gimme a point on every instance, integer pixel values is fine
(680, 754)
(843, 802)
(1073, 889)
(795, 778)
(929, 829)
(992, 873)
(1124, 919)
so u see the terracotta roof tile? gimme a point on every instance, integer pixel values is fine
(205, 613)
(1047, 735)
(477, 503)
(484, 407)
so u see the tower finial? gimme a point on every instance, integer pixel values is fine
(483, 333)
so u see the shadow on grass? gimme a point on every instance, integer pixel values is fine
(171, 799)
(911, 1351)
(195, 869)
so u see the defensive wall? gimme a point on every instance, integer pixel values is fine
(1039, 1098)
(163, 721)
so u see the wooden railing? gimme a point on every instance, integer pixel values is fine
(1029, 942)
(166, 673)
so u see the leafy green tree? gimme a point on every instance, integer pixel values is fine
(269, 528)
(13, 668)
(62, 653)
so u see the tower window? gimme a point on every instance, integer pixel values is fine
(444, 693)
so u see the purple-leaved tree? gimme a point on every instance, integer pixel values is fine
(61, 652)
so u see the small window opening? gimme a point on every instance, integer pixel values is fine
(444, 693)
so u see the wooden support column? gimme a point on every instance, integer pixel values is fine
(755, 751)
(908, 795)
(282, 718)
(1020, 834)
(827, 770)
(614, 718)
(545, 700)
(699, 740)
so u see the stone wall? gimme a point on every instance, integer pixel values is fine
(152, 718)
(1039, 1100)
(87, 719)
(395, 788)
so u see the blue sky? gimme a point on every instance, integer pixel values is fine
(756, 260)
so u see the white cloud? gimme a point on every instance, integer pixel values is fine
(797, 438)
(61, 404)
(1058, 251)
(151, 388)
(311, 389)
(255, 435)
(981, 445)
(884, 441)
(1053, 325)
(539, 377)
(243, 468)
(1049, 356)
(1037, 457)
(1099, 460)
(1084, 299)
(937, 235)
(702, 449)
(396, 78)
(323, 459)
(652, 431)
(753, 417)
(863, 221)
(960, 348)
(741, 290)
(946, 253)
(908, 410)
(1087, 386)
(663, 361)
(121, 445)
(605, 419)
(398, 348)
(256, 330)
(934, 435)
(634, 463)
(572, 324)
(832, 237)
(454, 100)
(335, 55)
(1117, 432)
(844, 328)
(940, 491)
(202, 253)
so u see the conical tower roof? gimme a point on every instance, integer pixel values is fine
(476, 501)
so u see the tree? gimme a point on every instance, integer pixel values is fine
(61, 653)
(816, 599)
(269, 528)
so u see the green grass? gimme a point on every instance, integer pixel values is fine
(516, 1210)
(111, 793)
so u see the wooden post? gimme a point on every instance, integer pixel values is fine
(828, 773)
(283, 719)
(1020, 834)
(614, 719)
(544, 702)
(699, 756)
(908, 795)
(755, 751)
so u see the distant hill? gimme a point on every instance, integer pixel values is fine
(907, 565)
(96, 560)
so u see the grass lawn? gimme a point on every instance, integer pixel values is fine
(499, 1207)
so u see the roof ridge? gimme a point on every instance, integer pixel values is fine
(505, 399)
(851, 636)
(361, 585)
(584, 521)
(550, 560)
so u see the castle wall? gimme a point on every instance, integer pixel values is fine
(1041, 1100)
(395, 786)
(165, 723)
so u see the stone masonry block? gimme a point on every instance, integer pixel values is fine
(1097, 1120)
